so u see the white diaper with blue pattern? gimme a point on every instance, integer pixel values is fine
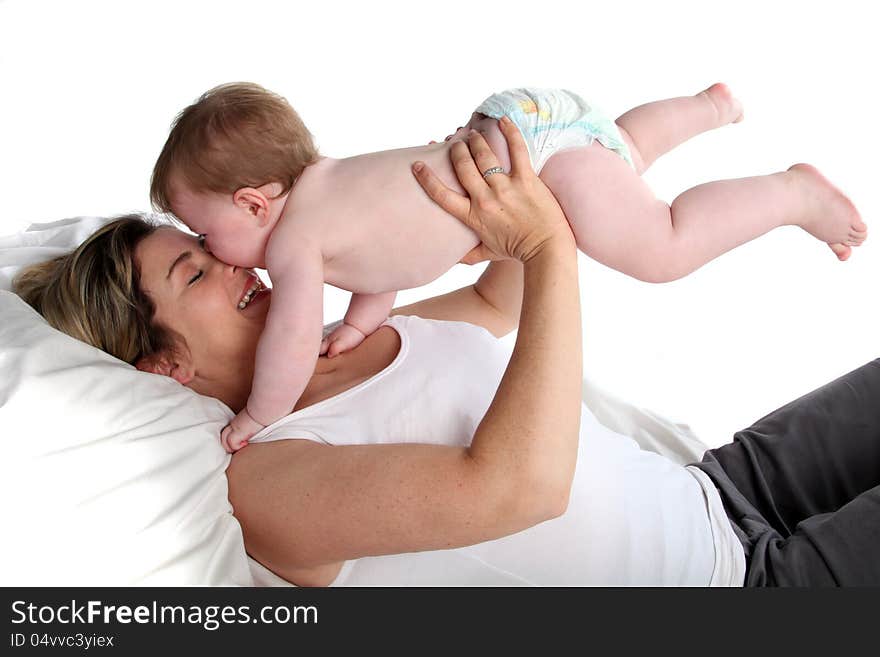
(552, 120)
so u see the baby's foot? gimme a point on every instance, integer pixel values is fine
(728, 108)
(830, 216)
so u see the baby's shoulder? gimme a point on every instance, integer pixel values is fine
(298, 229)
(294, 242)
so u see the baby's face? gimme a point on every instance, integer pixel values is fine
(230, 231)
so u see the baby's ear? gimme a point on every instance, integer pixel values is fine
(271, 190)
(253, 201)
(166, 364)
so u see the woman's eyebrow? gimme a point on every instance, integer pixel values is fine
(183, 256)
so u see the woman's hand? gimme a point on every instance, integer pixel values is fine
(514, 215)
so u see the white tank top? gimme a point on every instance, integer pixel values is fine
(634, 518)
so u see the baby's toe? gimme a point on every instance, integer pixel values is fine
(857, 236)
(842, 251)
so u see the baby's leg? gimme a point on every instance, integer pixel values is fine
(656, 128)
(617, 220)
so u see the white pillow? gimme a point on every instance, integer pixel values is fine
(41, 242)
(112, 476)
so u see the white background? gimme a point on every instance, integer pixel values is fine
(89, 90)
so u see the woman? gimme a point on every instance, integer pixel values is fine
(399, 445)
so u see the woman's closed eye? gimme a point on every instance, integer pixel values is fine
(200, 272)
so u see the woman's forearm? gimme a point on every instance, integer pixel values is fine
(524, 451)
(527, 441)
(493, 302)
(501, 286)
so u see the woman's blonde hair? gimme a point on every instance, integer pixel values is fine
(94, 292)
(235, 135)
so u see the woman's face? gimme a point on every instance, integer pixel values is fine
(198, 297)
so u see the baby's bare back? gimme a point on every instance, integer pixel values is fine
(377, 229)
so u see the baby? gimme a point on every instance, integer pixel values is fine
(241, 170)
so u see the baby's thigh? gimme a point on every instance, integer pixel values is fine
(601, 195)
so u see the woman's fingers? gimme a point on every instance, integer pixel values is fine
(485, 159)
(454, 203)
(480, 253)
(466, 169)
(514, 216)
(519, 152)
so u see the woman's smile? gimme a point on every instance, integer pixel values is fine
(252, 286)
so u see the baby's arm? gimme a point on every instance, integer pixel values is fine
(288, 347)
(366, 312)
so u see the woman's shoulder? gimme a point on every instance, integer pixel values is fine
(436, 344)
(438, 326)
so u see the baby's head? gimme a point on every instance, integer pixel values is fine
(227, 166)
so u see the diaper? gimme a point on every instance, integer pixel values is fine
(552, 120)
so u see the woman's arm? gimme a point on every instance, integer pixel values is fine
(493, 302)
(304, 505)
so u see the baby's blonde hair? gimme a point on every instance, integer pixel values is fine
(235, 135)
(94, 292)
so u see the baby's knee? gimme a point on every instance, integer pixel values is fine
(658, 273)
(653, 259)
(651, 267)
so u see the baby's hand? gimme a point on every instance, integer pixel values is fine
(343, 338)
(239, 431)
(448, 137)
